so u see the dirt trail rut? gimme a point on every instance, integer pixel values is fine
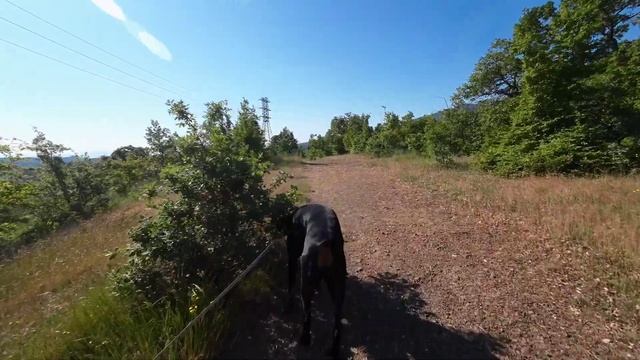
(427, 279)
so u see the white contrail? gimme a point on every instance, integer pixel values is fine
(152, 43)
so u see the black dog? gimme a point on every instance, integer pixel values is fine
(314, 238)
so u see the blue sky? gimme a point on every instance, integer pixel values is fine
(313, 59)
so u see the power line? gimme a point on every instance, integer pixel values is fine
(79, 68)
(92, 44)
(86, 56)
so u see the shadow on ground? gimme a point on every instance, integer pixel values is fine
(387, 318)
(313, 163)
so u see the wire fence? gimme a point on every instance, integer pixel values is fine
(217, 300)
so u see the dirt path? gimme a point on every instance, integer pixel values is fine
(427, 279)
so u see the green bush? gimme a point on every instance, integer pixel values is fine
(575, 92)
(283, 143)
(318, 147)
(221, 216)
(219, 222)
(34, 202)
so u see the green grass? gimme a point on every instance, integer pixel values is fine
(107, 325)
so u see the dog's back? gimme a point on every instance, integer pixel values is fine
(318, 230)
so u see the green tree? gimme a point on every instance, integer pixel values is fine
(51, 156)
(218, 115)
(457, 133)
(574, 112)
(15, 195)
(496, 76)
(161, 142)
(387, 139)
(357, 133)
(412, 132)
(89, 186)
(247, 130)
(318, 147)
(335, 135)
(129, 152)
(284, 142)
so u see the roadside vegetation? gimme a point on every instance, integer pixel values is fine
(217, 214)
(49, 277)
(36, 201)
(560, 96)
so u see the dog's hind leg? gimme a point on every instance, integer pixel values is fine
(336, 285)
(307, 293)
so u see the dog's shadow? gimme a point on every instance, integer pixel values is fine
(390, 319)
(386, 317)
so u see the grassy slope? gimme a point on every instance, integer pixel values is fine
(599, 217)
(47, 278)
(55, 302)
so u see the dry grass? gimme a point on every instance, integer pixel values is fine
(47, 278)
(600, 214)
(603, 210)
(292, 165)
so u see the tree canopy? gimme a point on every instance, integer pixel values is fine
(284, 142)
(560, 96)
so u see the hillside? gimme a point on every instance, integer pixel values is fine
(42, 282)
(34, 162)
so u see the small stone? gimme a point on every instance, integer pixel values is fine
(606, 341)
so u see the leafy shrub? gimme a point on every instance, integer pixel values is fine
(216, 226)
(318, 147)
(283, 143)
(439, 143)
(378, 145)
(34, 202)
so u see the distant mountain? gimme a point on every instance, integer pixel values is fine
(438, 115)
(34, 162)
(30, 162)
(303, 146)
